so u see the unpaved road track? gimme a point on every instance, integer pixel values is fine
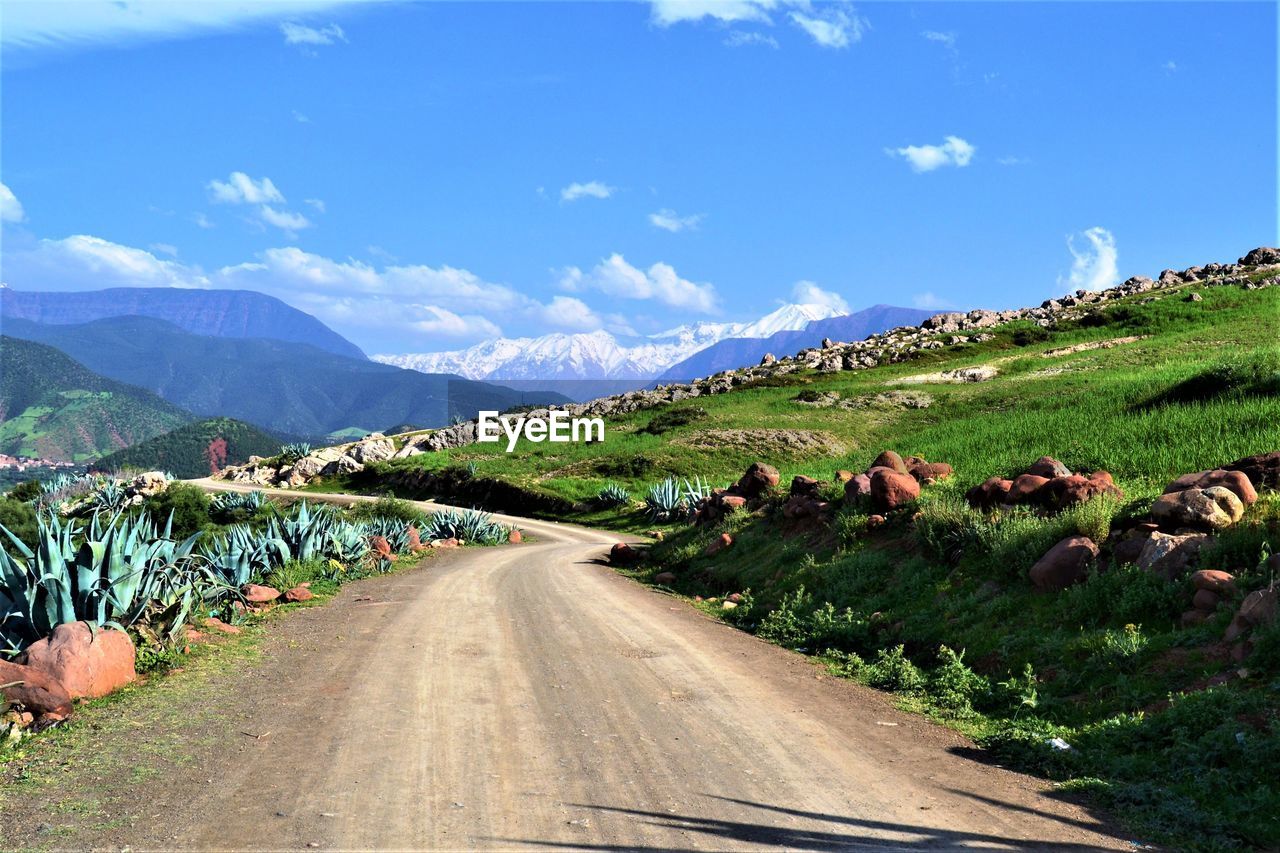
(527, 697)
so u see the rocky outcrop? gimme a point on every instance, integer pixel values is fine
(1047, 484)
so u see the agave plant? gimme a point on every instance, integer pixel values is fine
(394, 530)
(467, 525)
(110, 496)
(613, 495)
(242, 554)
(64, 487)
(227, 501)
(695, 492)
(294, 451)
(666, 501)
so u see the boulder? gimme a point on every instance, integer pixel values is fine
(148, 484)
(345, 464)
(843, 476)
(889, 459)
(1171, 555)
(857, 489)
(989, 494)
(623, 554)
(299, 593)
(305, 469)
(35, 690)
(1263, 470)
(1214, 508)
(1048, 467)
(256, 594)
(373, 450)
(1213, 580)
(1064, 564)
(757, 480)
(890, 489)
(732, 503)
(87, 662)
(451, 542)
(1205, 600)
(1025, 488)
(1062, 492)
(715, 546)
(802, 485)
(665, 578)
(515, 537)
(1236, 481)
(213, 623)
(380, 546)
(1259, 607)
(1261, 256)
(932, 471)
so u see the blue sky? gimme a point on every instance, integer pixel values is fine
(425, 175)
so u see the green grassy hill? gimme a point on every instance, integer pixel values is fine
(1174, 729)
(188, 451)
(56, 408)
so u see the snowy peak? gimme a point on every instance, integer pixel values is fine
(600, 355)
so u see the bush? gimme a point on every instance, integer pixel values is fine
(19, 518)
(953, 686)
(1030, 336)
(26, 491)
(1255, 374)
(669, 419)
(893, 670)
(385, 507)
(187, 504)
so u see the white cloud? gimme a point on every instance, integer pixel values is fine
(808, 293)
(571, 314)
(239, 188)
(669, 220)
(295, 33)
(929, 301)
(202, 221)
(615, 277)
(285, 220)
(164, 249)
(954, 151)
(1093, 267)
(1170, 67)
(667, 12)
(743, 38)
(300, 118)
(591, 189)
(830, 26)
(434, 320)
(946, 39)
(316, 204)
(1011, 160)
(48, 25)
(10, 208)
(82, 262)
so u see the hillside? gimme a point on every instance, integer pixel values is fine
(56, 408)
(217, 313)
(1093, 634)
(195, 449)
(281, 386)
(741, 351)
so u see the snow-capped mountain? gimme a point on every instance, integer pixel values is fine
(599, 355)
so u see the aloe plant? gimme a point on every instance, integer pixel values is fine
(666, 501)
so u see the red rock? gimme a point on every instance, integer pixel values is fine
(1025, 488)
(802, 485)
(87, 662)
(1064, 564)
(715, 546)
(1223, 583)
(256, 594)
(735, 597)
(857, 488)
(215, 624)
(1236, 629)
(875, 520)
(732, 503)
(889, 459)
(1259, 607)
(1048, 467)
(299, 593)
(515, 537)
(989, 494)
(1062, 492)
(665, 578)
(1234, 481)
(380, 546)
(38, 691)
(890, 490)
(1193, 617)
(623, 554)
(415, 538)
(1128, 550)
(758, 479)
(451, 542)
(1263, 470)
(1205, 600)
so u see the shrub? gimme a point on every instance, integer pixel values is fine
(1029, 336)
(19, 518)
(629, 466)
(953, 686)
(26, 491)
(893, 670)
(1255, 374)
(788, 624)
(1123, 594)
(384, 507)
(187, 504)
(671, 418)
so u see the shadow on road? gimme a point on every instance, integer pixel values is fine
(845, 833)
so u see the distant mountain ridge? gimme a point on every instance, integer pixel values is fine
(742, 352)
(193, 449)
(56, 408)
(599, 354)
(216, 313)
(279, 385)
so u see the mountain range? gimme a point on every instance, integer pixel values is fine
(740, 350)
(217, 313)
(283, 386)
(600, 354)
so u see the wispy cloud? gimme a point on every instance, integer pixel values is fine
(1094, 266)
(10, 208)
(744, 38)
(828, 24)
(930, 301)
(669, 220)
(164, 249)
(240, 189)
(300, 34)
(954, 151)
(591, 189)
(300, 118)
(202, 221)
(1170, 67)
(316, 204)
(948, 40)
(808, 293)
(285, 220)
(615, 277)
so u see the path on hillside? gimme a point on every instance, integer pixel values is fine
(529, 697)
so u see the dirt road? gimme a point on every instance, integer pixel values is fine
(528, 697)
